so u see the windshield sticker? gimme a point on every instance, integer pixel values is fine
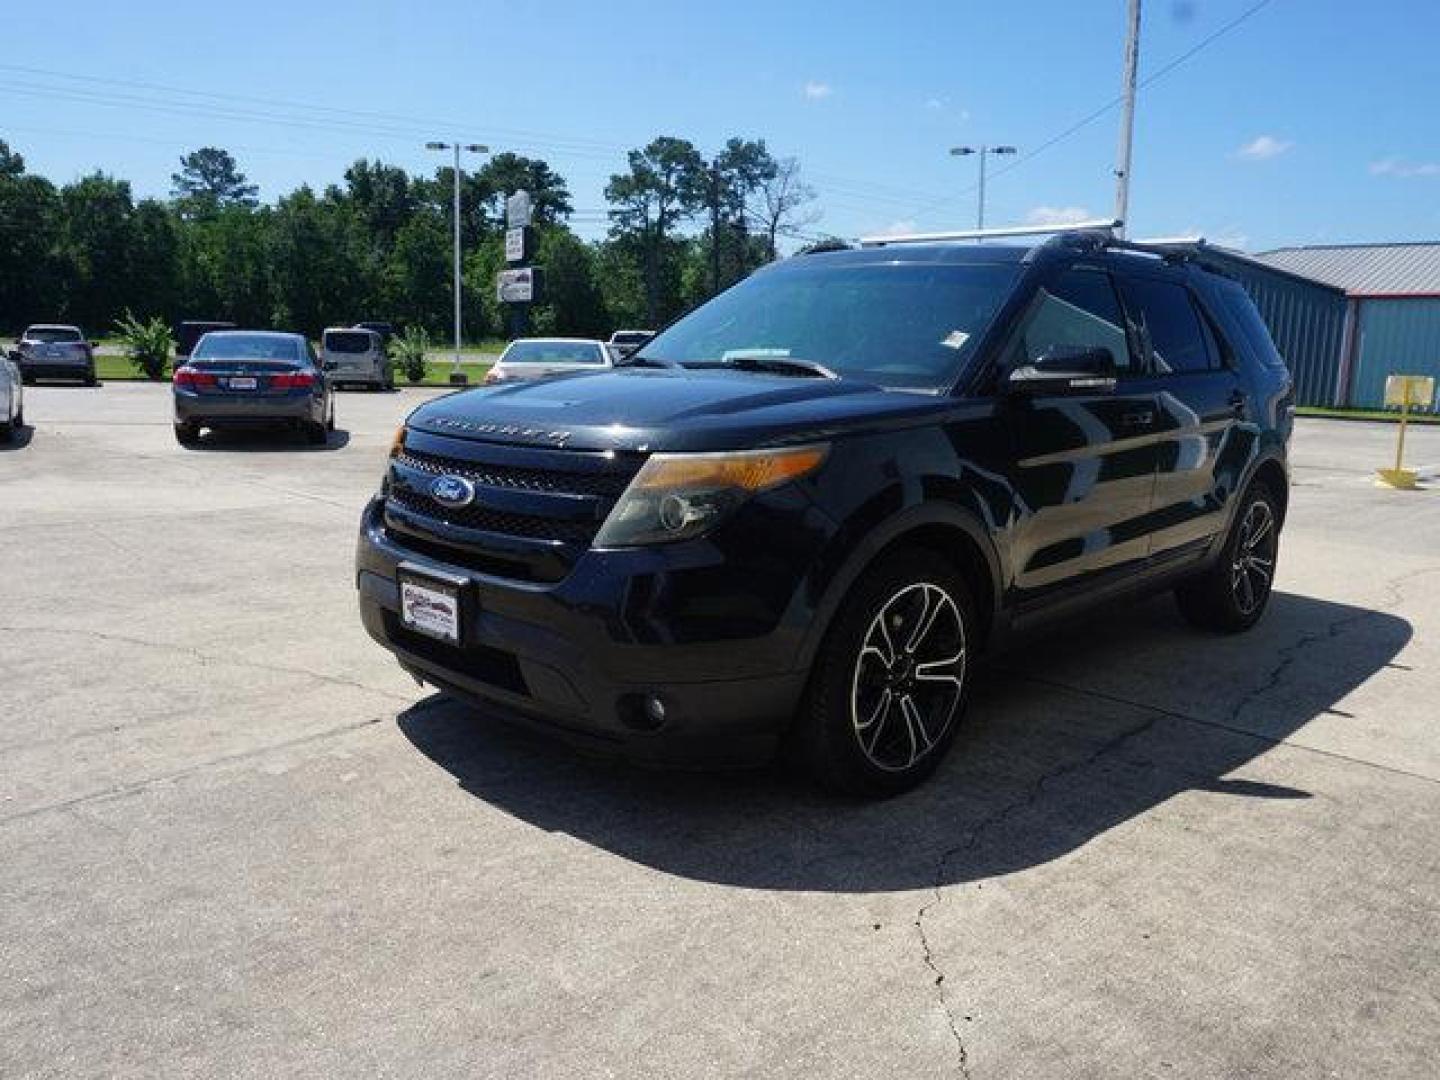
(955, 339)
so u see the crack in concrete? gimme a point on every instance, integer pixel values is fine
(134, 787)
(1027, 800)
(207, 658)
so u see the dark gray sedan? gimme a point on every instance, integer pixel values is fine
(243, 378)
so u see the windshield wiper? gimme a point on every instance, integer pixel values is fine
(779, 365)
(645, 361)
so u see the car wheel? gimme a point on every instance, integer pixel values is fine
(890, 682)
(1233, 594)
(187, 433)
(91, 380)
(316, 434)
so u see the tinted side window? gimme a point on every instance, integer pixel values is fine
(1172, 325)
(1080, 309)
(1243, 310)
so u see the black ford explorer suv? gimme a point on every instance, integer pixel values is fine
(800, 513)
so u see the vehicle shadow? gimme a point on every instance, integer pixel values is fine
(1080, 732)
(19, 439)
(266, 441)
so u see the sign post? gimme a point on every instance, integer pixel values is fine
(1405, 391)
(517, 285)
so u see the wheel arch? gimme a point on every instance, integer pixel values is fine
(948, 530)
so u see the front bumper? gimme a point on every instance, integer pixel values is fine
(580, 657)
(222, 408)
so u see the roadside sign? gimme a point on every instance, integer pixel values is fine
(517, 286)
(1410, 391)
(1406, 391)
(515, 244)
(518, 209)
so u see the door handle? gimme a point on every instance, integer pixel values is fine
(1138, 418)
(1237, 402)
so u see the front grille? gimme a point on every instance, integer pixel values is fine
(512, 478)
(529, 526)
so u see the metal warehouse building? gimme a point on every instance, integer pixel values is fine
(1392, 314)
(1346, 316)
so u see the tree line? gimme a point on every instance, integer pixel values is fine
(378, 244)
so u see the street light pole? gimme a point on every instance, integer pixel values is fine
(456, 375)
(982, 150)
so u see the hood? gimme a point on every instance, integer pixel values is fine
(648, 410)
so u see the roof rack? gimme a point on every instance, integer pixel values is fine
(1106, 226)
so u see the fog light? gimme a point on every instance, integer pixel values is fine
(642, 712)
(655, 710)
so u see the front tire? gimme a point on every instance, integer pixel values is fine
(891, 680)
(1232, 595)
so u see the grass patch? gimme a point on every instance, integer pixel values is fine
(437, 372)
(1388, 415)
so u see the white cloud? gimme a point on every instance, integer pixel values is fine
(1058, 215)
(897, 228)
(818, 91)
(1263, 148)
(1404, 169)
(934, 103)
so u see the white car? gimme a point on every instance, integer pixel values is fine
(12, 399)
(536, 358)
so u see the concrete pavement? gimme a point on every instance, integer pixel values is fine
(237, 841)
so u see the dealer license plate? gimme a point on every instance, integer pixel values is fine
(430, 606)
(242, 383)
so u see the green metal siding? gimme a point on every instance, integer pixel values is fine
(1396, 337)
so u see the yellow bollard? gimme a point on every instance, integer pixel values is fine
(1404, 390)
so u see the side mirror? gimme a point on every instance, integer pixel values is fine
(1062, 370)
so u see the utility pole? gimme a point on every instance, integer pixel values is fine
(983, 151)
(456, 375)
(1127, 119)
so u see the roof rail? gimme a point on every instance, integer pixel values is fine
(987, 234)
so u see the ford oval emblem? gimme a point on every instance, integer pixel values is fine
(452, 491)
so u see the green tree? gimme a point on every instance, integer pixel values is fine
(417, 281)
(30, 235)
(742, 168)
(225, 270)
(507, 173)
(318, 265)
(154, 282)
(573, 305)
(210, 180)
(96, 247)
(664, 187)
(383, 197)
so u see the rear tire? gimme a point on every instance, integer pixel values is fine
(315, 434)
(890, 682)
(187, 434)
(1232, 595)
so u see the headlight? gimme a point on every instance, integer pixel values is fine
(682, 496)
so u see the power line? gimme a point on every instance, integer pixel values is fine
(1091, 117)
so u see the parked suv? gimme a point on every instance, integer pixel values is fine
(54, 351)
(800, 514)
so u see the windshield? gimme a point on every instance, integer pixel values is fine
(904, 325)
(553, 352)
(348, 341)
(49, 335)
(246, 347)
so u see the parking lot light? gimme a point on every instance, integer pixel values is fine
(456, 375)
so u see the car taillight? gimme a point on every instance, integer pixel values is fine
(188, 376)
(292, 380)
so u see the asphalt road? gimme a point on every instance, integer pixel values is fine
(236, 841)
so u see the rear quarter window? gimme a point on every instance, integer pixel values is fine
(1246, 317)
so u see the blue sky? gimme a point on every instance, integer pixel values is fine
(1314, 121)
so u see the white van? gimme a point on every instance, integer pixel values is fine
(350, 355)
